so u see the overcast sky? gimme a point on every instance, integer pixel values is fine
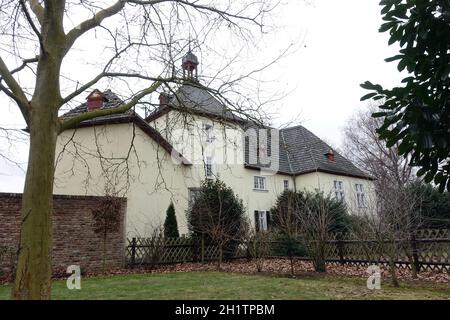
(341, 48)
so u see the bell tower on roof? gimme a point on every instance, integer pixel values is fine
(189, 64)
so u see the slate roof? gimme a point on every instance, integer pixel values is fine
(111, 101)
(301, 152)
(197, 100)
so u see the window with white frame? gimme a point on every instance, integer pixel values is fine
(338, 187)
(259, 183)
(286, 184)
(208, 132)
(209, 167)
(262, 220)
(360, 197)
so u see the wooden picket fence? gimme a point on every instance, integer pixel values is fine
(427, 250)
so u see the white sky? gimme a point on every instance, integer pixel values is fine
(342, 48)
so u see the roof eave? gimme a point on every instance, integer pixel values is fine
(253, 167)
(339, 173)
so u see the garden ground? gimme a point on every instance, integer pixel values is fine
(229, 285)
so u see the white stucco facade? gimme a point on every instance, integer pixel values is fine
(92, 159)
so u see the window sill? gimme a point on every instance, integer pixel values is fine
(261, 190)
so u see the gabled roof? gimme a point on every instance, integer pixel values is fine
(305, 152)
(129, 117)
(193, 98)
(302, 152)
(111, 100)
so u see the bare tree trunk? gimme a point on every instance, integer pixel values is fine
(34, 266)
(105, 234)
(393, 254)
(392, 270)
(291, 258)
(320, 265)
(219, 262)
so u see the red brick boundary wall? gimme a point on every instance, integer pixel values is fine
(74, 239)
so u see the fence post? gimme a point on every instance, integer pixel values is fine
(340, 247)
(133, 252)
(415, 253)
(194, 249)
(203, 249)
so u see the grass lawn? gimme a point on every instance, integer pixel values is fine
(220, 285)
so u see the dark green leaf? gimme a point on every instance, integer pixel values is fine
(396, 57)
(379, 114)
(368, 96)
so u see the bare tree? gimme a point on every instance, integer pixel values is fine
(155, 246)
(286, 223)
(107, 219)
(43, 37)
(259, 247)
(386, 227)
(319, 216)
(393, 214)
(308, 218)
(363, 146)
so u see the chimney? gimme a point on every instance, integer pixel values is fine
(95, 100)
(163, 99)
(330, 155)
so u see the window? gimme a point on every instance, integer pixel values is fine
(286, 184)
(259, 183)
(208, 167)
(262, 219)
(339, 190)
(360, 201)
(208, 132)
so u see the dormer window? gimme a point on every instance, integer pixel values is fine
(330, 155)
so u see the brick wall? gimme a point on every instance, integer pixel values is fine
(74, 239)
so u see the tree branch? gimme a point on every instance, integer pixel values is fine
(95, 21)
(23, 65)
(17, 93)
(104, 74)
(72, 122)
(224, 14)
(30, 20)
(37, 9)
